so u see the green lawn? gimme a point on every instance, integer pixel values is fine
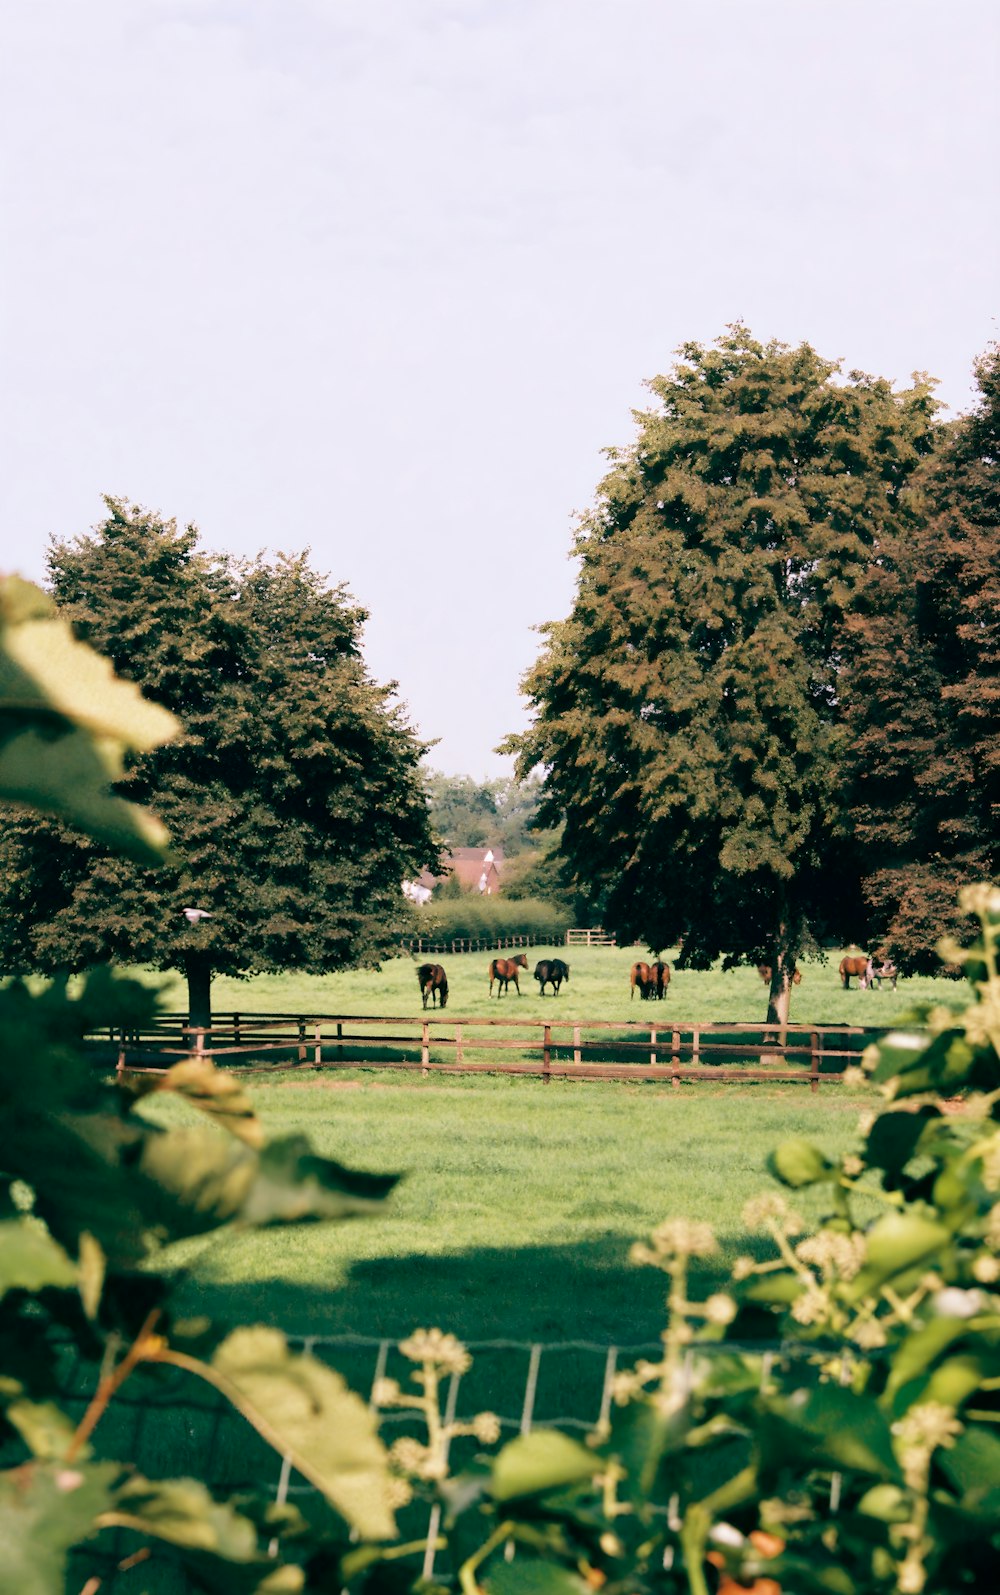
(598, 988)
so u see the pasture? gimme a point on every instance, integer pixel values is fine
(598, 988)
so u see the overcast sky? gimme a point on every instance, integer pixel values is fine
(382, 277)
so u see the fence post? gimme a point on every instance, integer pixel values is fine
(120, 1066)
(696, 1046)
(576, 1043)
(340, 1050)
(814, 1061)
(302, 1041)
(546, 1059)
(458, 1044)
(236, 1029)
(675, 1058)
(318, 1054)
(652, 1045)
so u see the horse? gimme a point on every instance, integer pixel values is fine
(854, 964)
(504, 970)
(764, 971)
(886, 970)
(433, 984)
(641, 978)
(659, 980)
(551, 971)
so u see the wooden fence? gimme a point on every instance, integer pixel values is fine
(591, 938)
(470, 944)
(548, 1048)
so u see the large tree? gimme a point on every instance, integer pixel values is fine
(686, 713)
(923, 695)
(293, 795)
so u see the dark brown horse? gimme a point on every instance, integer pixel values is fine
(659, 980)
(551, 971)
(640, 977)
(433, 984)
(504, 970)
(854, 964)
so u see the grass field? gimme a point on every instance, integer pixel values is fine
(598, 988)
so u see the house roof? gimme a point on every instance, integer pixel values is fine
(469, 864)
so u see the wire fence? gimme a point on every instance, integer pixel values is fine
(168, 1423)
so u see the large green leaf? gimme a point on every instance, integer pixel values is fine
(305, 1410)
(540, 1461)
(30, 1259)
(797, 1162)
(529, 1575)
(45, 1509)
(217, 1093)
(896, 1243)
(828, 1426)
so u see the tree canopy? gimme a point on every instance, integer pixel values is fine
(923, 694)
(293, 795)
(687, 711)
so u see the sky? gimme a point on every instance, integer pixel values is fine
(382, 278)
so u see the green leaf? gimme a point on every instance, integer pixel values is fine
(797, 1162)
(919, 1349)
(217, 1093)
(305, 1410)
(973, 1462)
(45, 1509)
(831, 1426)
(899, 1241)
(44, 1427)
(887, 1502)
(893, 1140)
(540, 1461)
(30, 1259)
(528, 1575)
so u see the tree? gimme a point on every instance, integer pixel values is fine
(923, 695)
(294, 788)
(463, 811)
(687, 712)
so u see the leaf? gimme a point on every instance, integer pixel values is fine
(66, 773)
(293, 1183)
(30, 1259)
(797, 1162)
(45, 1429)
(898, 1241)
(217, 1093)
(893, 1140)
(529, 1575)
(830, 1426)
(543, 1460)
(45, 1509)
(305, 1410)
(919, 1349)
(93, 1266)
(973, 1462)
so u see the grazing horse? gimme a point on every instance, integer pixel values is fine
(886, 970)
(640, 977)
(764, 971)
(504, 970)
(659, 980)
(551, 971)
(433, 984)
(854, 964)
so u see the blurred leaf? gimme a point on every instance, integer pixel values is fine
(893, 1139)
(797, 1162)
(973, 1462)
(828, 1425)
(45, 1508)
(216, 1093)
(897, 1242)
(45, 1429)
(528, 1575)
(543, 1460)
(305, 1410)
(93, 1265)
(30, 1259)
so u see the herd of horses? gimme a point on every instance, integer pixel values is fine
(649, 980)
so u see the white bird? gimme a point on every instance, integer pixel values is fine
(192, 915)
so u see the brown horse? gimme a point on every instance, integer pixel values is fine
(433, 984)
(504, 970)
(854, 964)
(640, 977)
(764, 971)
(659, 980)
(886, 970)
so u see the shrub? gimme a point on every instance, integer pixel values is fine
(474, 917)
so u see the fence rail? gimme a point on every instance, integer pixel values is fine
(596, 937)
(470, 944)
(595, 1049)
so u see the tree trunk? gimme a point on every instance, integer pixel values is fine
(198, 970)
(779, 996)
